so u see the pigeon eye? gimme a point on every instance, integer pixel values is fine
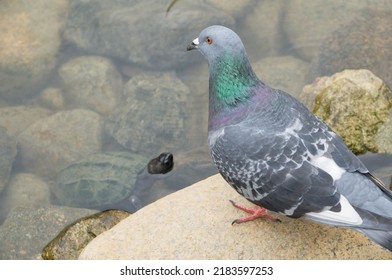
(209, 40)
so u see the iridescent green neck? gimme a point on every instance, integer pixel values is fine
(231, 81)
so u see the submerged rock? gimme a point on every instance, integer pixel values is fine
(52, 143)
(16, 119)
(140, 31)
(91, 82)
(24, 189)
(308, 23)
(286, 73)
(152, 115)
(52, 98)
(30, 39)
(363, 43)
(8, 154)
(27, 230)
(260, 28)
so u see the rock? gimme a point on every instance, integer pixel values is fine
(383, 138)
(24, 189)
(363, 43)
(68, 244)
(237, 9)
(118, 29)
(16, 119)
(261, 28)
(52, 143)
(283, 72)
(307, 24)
(29, 44)
(152, 115)
(8, 154)
(52, 98)
(197, 225)
(91, 82)
(354, 103)
(27, 230)
(196, 79)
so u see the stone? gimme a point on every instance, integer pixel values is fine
(237, 9)
(152, 114)
(24, 189)
(26, 231)
(363, 43)
(91, 82)
(16, 119)
(354, 103)
(52, 98)
(308, 23)
(286, 73)
(118, 29)
(196, 79)
(29, 44)
(261, 28)
(68, 244)
(8, 154)
(383, 138)
(195, 223)
(52, 143)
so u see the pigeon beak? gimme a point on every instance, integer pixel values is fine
(193, 45)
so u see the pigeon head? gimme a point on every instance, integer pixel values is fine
(232, 79)
(217, 42)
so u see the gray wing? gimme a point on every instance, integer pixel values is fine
(273, 172)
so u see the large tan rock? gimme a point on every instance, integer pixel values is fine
(195, 223)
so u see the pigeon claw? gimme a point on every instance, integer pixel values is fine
(258, 212)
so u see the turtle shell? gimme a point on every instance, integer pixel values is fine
(98, 180)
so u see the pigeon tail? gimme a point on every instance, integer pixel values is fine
(371, 201)
(377, 227)
(384, 238)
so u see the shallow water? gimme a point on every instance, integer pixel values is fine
(56, 59)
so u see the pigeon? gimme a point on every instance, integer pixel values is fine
(277, 154)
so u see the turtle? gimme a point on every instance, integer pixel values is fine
(107, 180)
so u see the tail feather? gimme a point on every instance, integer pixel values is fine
(373, 221)
(377, 228)
(373, 202)
(384, 238)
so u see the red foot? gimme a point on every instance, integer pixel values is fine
(258, 212)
